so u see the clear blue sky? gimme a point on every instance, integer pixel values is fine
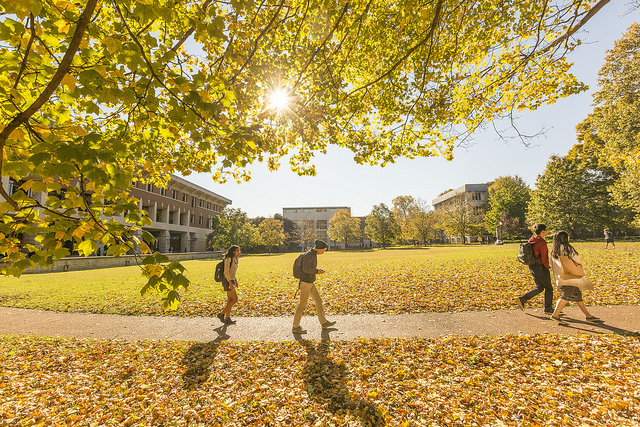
(341, 182)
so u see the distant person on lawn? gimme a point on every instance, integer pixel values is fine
(571, 279)
(307, 288)
(608, 238)
(539, 270)
(229, 282)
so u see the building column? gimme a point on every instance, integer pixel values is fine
(154, 211)
(165, 215)
(164, 240)
(185, 242)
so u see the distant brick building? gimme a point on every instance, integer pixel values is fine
(181, 215)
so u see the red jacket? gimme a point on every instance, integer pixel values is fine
(540, 250)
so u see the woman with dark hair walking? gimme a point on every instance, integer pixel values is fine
(229, 282)
(570, 277)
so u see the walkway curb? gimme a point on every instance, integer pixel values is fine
(18, 321)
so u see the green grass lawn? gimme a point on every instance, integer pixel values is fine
(402, 280)
(483, 381)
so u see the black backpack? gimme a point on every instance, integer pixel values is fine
(218, 275)
(526, 254)
(297, 266)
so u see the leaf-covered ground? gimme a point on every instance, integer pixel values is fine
(524, 380)
(377, 282)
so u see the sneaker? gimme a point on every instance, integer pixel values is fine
(221, 317)
(594, 319)
(328, 324)
(555, 319)
(228, 321)
(519, 302)
(298, 330)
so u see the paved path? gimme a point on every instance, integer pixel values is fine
(618, 319)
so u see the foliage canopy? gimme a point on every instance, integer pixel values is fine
(92, 93)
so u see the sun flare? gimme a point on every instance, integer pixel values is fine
(279, 100)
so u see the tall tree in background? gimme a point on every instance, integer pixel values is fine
(271, 233)
(402, 209)
(461, 218)
(572, 196)
(344, 228)
(508, 200)
(290, 230)
(422, 222)
(381, 226)
(614, 126)
(232, 227)
(94, 93)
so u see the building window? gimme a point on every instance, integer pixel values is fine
(148, 187)
(170, 217)
(321, 224)
(201, 202)
(200, 220)
(308, 224)
(321, 210)
(174, 194)
(163, 191)
(477, 196)
(193, 202)
(184, 197)
(14, 186)
(193, 218)
(159, 215)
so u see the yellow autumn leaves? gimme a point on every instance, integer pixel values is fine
(456, 381)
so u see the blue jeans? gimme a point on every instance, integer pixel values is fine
(542, 279)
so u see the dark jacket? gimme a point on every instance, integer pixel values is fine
(309, 266)
(540, 250)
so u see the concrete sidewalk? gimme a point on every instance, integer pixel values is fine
(617, 319)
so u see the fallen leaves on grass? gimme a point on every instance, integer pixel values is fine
(529, 380)
(380, 282)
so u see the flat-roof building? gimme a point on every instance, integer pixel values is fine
(181, 214)
(313, 222)
(475, 195)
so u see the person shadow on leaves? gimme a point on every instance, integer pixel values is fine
(199, 358)
(326, 383)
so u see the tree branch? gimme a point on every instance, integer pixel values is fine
(255, 44)
(191, 30)
(594, 10)
(153, 72)
(434, 23)
(23, 65)
(324, 42)
(65, 64)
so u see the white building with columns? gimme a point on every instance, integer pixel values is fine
(181, 214)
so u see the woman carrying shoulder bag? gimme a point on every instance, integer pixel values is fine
(570, 277)
(229, 282)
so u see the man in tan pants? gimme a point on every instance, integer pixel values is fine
(307, 288)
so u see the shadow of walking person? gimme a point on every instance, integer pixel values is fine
(199, 358)
(326, 383)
